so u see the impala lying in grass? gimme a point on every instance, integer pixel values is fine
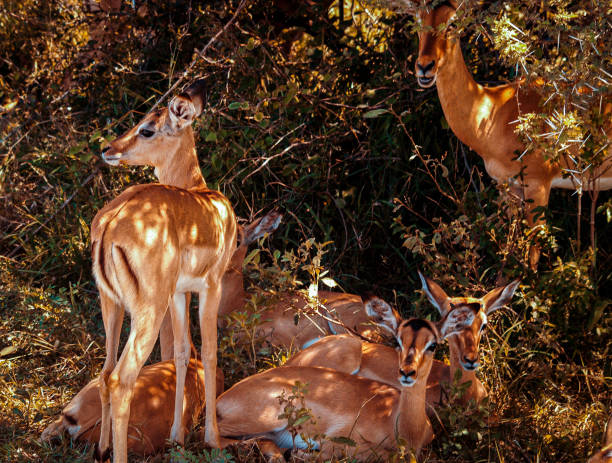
(151, 413)
(343, 406)
(352, 355)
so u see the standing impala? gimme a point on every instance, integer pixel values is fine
(351, 355)
(150, 246)
(484, 118)
(372, 414)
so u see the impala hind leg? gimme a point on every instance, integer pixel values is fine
(112, 315)
(271, 451)
(209, 306)
(182, 352)
(166, 339)
(143, 334)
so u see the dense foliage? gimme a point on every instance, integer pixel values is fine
(321, 117)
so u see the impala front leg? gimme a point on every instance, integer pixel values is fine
(166, 339)
(209, 306)
(182, 351)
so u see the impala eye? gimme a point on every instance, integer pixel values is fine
(146, 133)
(432, 347)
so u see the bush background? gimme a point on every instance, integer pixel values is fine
(322, 119)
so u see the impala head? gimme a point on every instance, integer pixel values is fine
(433, 43)
(161, 133)
(465, 342)
(232, 284)
(418, 338)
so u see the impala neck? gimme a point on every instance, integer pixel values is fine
(460, 95)
(412, 422)
(182, 170)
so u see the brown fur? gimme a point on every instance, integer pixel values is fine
(151, 413)
(151, 246)
(484, 118)
(350, 355)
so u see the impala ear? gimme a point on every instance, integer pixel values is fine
(499, 297)
(435, 294)
(197, 93)
(456, 321)
(266, 224)
(182, 111)
(382, 313)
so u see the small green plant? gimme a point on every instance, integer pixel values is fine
(462, 428)
(181, 455)
(295, 414)
(295, 411)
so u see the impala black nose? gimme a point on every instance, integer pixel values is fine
(425, 69)
(104, 150)
(407, 374)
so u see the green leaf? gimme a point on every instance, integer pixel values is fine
(301, 420)
(343, 441)
(77, 148)
(252, 43)
(250, 257)
(235, 105)
(86, 156)
(375, 113)
(290, 94)
(95, 136)
(211, 136)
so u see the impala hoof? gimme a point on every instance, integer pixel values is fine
(101, 457)
(212, 441)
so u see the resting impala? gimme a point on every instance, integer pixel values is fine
(340, 312)
(370, 413)
(152, 409)
(484, 118)
(351, 355)
(604, 455)
(150, 246)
